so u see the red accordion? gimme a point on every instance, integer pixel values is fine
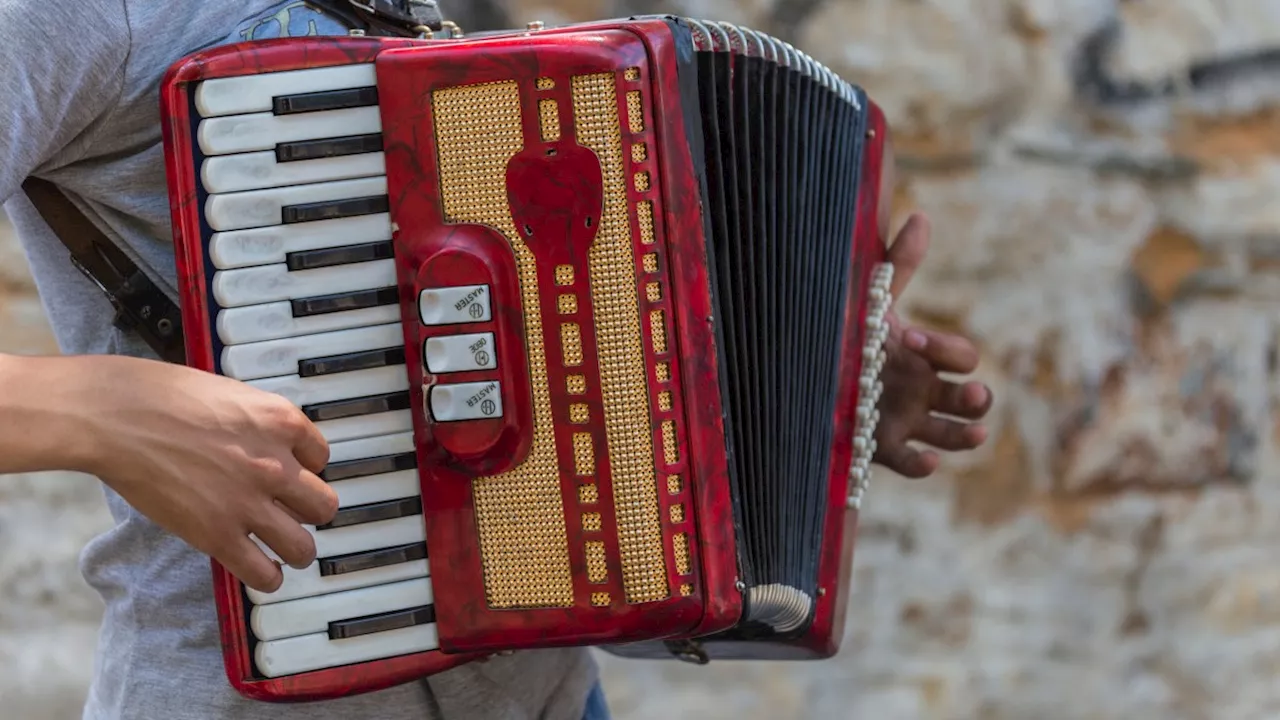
(593, 313)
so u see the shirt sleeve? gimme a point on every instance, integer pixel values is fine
(62, 66)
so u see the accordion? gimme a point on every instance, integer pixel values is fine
(591, 316)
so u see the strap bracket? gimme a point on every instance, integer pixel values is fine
(140, 305)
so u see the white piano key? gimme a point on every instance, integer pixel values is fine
(327, 388)
(271, 321)
(363, 426)
(272, 283)
(371, 447)
(269, 358)
(255, 93)
(255, 171)
(365, 537)
(313, 652)
(308, 582)
(368, 536)
(267, 245)
(377, 488)
(263, 131)
(306, 616)
(256, 208)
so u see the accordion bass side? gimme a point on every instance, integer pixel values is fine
(591, 317)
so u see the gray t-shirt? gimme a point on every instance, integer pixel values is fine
(79, 106)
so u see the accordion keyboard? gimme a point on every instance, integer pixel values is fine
(304, 304)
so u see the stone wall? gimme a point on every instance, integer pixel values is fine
(1102, 177)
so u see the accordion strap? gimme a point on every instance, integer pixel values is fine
(140, 305)
(406, 18)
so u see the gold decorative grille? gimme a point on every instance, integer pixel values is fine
(620, 349)
(519, 514)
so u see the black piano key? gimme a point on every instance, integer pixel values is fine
(328, 147)
(324, 100)
(328, 257)
(374, 512)
(355, 562)
(349, 362)
(370, 405)
(369, 466)
(338, 302)
(382, 623)
(334, 209)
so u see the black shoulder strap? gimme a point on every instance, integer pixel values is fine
(407, 18)
(140, 305)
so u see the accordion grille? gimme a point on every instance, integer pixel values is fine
(520, 513)
(620, 339)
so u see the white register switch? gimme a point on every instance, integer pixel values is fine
(466, 401)
(460, 353)
(449, 305)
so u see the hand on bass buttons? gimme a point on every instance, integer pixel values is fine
(918, 405)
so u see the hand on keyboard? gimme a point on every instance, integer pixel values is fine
(917, 404)
(211, 460)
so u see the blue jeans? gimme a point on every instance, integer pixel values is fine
(597, 708)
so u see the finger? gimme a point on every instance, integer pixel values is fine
(950, 435)
(298, 518)
(251, 565)
(287, 539)
(307, 498)
(970, 400)
(310, 447)
(908, 461)
(944, 351)
(908, 251)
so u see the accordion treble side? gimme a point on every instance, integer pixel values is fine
(590, 316)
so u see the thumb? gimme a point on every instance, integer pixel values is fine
(907, 251)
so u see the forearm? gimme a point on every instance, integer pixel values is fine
(41, 426)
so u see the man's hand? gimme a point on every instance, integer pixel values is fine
(918, 405)
(208, 458)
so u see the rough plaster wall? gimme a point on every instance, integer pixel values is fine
(1103, 177)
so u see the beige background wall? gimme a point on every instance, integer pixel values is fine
(1118, 257)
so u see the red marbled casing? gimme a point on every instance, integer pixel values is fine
(556, 168)
(531, 172)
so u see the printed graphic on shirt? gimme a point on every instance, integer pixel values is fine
(289, 19)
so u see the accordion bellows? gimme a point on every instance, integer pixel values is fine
(591, 317)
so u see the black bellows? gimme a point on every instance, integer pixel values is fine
(781, 150)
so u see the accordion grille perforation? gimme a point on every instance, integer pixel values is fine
(519, 514)
(549, 119)
(645, 210)
(597, 566)
(623, 384)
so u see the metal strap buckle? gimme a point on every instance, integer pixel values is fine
(116, 304)
(689, 651)
(142, 307)
(411, 14)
